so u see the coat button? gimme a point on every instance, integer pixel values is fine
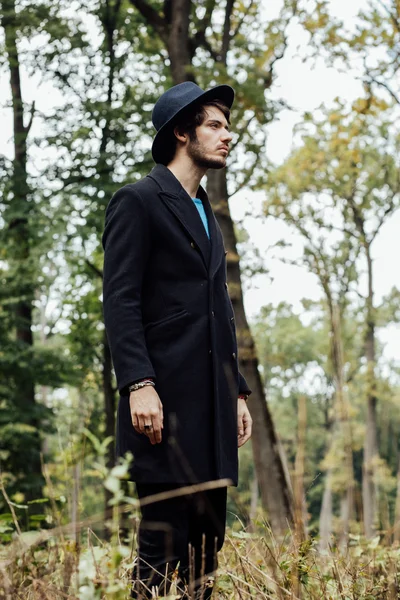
(232, 319)
(213, 313)
(233, 355)
(226, 285)
(193, 244)
(210, 352)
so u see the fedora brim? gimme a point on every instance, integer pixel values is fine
(221, 92)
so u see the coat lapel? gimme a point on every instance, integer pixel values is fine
(217, 243)
(182, 207)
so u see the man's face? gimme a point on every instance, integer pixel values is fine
(211, 147)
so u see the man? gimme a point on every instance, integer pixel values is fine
(170, 323)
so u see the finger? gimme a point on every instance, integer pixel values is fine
(158, 435)
(243, 441)
(141, 424)
(157, 427)
(148, 430)
(150, 435)
(135, 422)
(248, 423)
(240, 426)
(247, 433)
(161, 415)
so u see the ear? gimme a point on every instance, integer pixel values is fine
(182, 137)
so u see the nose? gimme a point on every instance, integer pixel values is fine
(226, 136)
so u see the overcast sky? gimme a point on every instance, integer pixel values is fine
(304, 89)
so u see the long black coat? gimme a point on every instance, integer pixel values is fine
(168, 316)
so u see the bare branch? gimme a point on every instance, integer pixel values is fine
(240, 135)
(268, 78)
(248, 176)
(64, 79)
(27, 128)
(206, 20)
(385, 214)
(240, 23)
(152, 17)
(387, 88)
(94, 268)
(393, 18)
(199, 39)
(226, 35)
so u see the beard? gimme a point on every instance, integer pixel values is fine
(198, 153)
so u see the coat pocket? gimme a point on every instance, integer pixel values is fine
(166, 321)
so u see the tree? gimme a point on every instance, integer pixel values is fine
(24, 241)
(294, 358)
(344, 184)
(96, 137)
(370, 48)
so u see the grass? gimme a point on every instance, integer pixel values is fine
(50, 565)
(72, 561)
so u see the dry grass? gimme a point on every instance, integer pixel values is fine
(71, 562)
(49, 565)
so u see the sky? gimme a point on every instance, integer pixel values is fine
(304, 88)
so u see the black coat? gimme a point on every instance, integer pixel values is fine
(168, 315)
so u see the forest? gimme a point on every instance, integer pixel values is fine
(316, 513)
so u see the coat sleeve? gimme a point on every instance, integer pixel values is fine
(243, 387)
(126, 244)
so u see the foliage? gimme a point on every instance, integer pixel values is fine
(370, 46)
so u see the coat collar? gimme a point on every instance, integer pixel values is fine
(182, 206)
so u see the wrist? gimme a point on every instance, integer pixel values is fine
(141, 384)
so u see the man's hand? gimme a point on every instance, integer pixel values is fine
(146, 409)
(244, 422)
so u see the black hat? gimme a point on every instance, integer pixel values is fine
(173, 102)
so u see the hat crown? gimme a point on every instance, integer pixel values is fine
(173, 100)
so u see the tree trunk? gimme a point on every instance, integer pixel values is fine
(341, 430)
(369, 494)
(43, 388)
(370, 444)
(325, 516)
(253, 500)
(109, 400)
(109, 403)
(110, 18)
(272, 475)
(74, 515)
(342, 415)
(396, 527)
(19, 252)
(178, 41)
(300, 514)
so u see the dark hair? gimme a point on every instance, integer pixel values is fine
(189, 120)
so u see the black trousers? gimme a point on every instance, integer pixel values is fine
(188, 530)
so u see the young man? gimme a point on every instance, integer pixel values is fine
(170, 323)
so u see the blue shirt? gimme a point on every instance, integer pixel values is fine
(199, 205)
